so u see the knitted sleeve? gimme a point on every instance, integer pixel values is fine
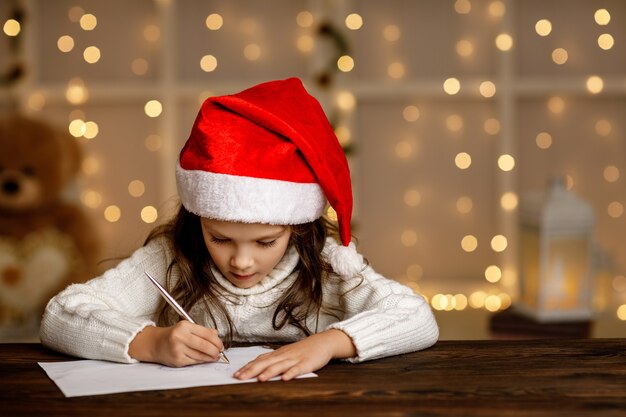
(99, 319)
(382, 317)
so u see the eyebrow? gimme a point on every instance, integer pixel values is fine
(264, 237)
(274, 236)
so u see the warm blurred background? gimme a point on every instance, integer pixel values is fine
(453, 113)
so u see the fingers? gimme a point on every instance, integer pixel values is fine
(197, 355)
(292, 372)
(191, 344)
(207, 342)
(209, 335)
(306, 355)
(264, 371)
(265, 368)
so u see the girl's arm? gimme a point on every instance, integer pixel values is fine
(384, 318)
(99, 319)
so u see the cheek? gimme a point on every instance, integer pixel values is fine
(209, 246)
(278, 253)
(216, 253)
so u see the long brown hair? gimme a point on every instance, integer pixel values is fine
(196, 282)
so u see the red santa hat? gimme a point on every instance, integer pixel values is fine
(268, 155)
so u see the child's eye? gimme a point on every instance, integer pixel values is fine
(267, 244)
(218, 240)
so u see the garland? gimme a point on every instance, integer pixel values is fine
(325, 78)
(16, 69)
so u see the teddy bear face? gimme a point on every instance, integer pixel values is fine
(35, 163)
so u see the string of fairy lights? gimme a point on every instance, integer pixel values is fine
(314, 29)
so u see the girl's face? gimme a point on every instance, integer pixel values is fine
(245, 252)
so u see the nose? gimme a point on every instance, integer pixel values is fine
(10, 187)
(241, 260)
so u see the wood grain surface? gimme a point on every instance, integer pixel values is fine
(562, 377)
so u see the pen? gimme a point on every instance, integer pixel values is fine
(171, 301)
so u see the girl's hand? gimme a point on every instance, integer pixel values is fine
(299, 358)
(179, 345)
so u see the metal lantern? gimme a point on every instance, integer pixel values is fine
(556, 249)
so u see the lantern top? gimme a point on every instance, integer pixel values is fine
(557, 209)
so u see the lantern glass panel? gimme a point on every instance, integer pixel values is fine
(567, 268)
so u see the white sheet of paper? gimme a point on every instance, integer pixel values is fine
(92, 377)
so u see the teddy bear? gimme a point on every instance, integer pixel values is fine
(46, 241)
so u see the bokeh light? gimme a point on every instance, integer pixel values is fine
(543, 27)
(354, 21)
(88, 22)
(12, 27)
(463, 160)
(153, 108)
(391, 33)
(602, 17)
(91, 54)
(506, 162)
(560, 56)
(112, 213)
(65, 43)
(451, 86)
(345, 63)
(305, 19)
(499, 243)
(611, 173)
(149, 214)
(543, 140)
(595, 84)
(469, 243)
(493, 274)
(462, 6)
(412, 198)
(464, 204)
(509, 201)
(136, 188)
(504, 42)
(208, 63)
(411, 113)
(214, 21)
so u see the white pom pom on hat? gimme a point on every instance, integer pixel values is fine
(345, 260)
(268, 155)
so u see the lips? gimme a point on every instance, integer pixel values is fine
(242, 277)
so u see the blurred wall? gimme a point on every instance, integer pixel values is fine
(432, 95)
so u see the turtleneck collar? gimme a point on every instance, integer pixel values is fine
(281, 271)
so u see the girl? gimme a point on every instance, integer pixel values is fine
(248, 255)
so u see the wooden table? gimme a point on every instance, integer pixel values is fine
(466, 378)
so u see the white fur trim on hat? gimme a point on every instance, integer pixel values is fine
(248, 199)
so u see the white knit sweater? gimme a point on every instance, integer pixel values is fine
(100, 318)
